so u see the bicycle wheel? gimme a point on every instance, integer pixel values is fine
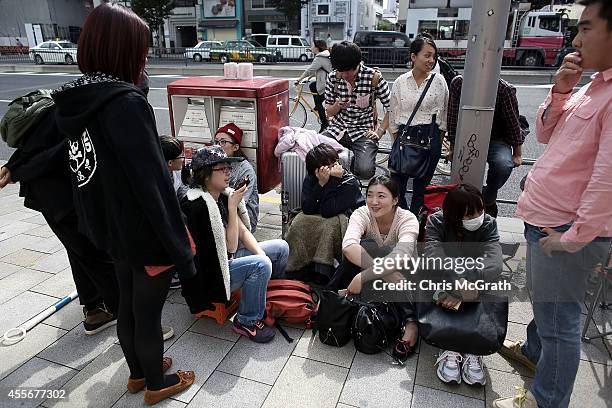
(297, 113)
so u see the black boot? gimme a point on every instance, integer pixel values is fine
(491, 210)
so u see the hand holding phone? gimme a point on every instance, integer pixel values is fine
(244, 182)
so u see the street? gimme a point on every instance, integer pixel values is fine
(13, 85)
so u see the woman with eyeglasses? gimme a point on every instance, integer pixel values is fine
(229, 138)
(217, 218)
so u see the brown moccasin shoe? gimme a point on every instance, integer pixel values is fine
(186, 378)
(135, 385)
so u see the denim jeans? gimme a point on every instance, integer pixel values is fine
(557, 285)
(251, 273)
(500, 168)
(419, 184)
(363, 165)
(278, 252)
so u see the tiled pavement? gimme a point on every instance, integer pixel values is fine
(230, 371)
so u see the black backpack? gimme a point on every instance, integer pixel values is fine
(447, 70)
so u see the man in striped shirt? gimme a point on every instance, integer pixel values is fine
(349, 93)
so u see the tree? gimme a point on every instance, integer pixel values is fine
(290, 8)
(154, 12)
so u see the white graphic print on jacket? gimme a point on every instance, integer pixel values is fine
(82, 157)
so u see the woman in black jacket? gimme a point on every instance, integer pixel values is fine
(123, 197)
(463, 231)
(329, 196)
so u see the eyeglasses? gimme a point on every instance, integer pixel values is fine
(224, 142)
(225, 169)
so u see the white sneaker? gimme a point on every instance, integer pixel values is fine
(523, 399)
(167, 332)
(449, 367)
(472, 370)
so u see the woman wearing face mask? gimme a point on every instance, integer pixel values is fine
(404, 97)
(380, 229)
(463, 230)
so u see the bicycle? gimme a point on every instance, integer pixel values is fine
(298, 114)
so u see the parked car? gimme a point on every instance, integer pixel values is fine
(291, 47)
(201, 51)
(383, 47)
(260, 39)
(54, 52)
(243, 50)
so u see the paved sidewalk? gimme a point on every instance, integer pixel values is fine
(230, 371)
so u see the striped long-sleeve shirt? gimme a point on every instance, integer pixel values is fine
(357, 117)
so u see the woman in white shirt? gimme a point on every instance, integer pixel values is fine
(406, 92)
(377, 232)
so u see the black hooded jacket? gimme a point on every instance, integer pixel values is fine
(123, 196)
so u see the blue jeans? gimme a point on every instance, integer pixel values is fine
(500, 168)
(251, 273)
(419, 184)
(278, 252)
(557, 285)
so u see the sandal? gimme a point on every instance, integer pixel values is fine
(186, 378)
(403, 350)
(137, 384)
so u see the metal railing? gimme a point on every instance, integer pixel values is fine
(526, 162)
(393, 57)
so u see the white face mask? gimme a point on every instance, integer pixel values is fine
(474, 223)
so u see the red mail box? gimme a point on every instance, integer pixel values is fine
(260, 107)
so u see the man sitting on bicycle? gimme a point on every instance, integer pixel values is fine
(350, 98)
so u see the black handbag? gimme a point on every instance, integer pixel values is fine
(411, 150)
(335, 317)
(375, 326)
(476, 328)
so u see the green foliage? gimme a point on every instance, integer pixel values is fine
(290, 8)
(153, 11)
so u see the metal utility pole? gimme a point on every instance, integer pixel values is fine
(480, 78)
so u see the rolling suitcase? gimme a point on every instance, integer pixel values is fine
(293, 172)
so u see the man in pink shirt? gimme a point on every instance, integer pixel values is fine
(567, 209)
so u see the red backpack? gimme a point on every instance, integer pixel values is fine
(432, 202)
(291, 301)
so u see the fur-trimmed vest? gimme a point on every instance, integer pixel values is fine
(206, 227)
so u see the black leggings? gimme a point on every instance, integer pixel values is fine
(93, 270)
(141, 299)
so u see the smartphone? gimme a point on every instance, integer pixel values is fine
(244, 182)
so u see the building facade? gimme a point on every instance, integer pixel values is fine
(262, 18)
(340, 19)
(34, 21)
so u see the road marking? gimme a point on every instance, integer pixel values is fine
(269, 200)
(5, 100)
(41, 74)
(157, 89)
(167, 76)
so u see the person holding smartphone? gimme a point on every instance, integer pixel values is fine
(217, 218)
(462, 230)
(229, 137)
(567, 212)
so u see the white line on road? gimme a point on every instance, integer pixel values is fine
(5, 100)
(41, 74)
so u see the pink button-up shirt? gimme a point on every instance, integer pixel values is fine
(572, 181)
